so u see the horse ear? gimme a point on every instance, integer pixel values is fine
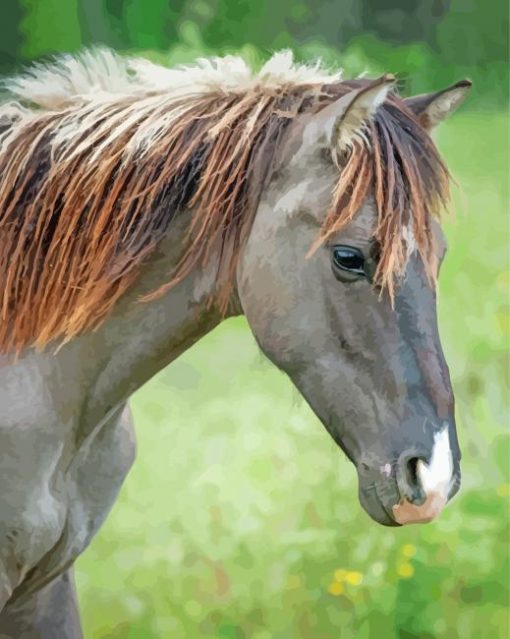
(433, 108)
(339, 122)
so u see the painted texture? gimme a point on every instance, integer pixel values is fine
(199, 543)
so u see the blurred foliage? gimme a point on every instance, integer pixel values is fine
(426, 41)
(240, 519)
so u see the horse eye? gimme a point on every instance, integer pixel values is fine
(348, 258)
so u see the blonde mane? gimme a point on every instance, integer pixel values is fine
(99, 152)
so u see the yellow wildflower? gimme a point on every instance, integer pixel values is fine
(405, 570)
(354, 577)
(408, 550)
(336, 588)
(503, 490)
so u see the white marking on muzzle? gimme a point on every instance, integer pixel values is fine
(436, 476)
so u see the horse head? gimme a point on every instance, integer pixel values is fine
(342, 297)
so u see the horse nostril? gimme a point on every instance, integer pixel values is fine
(409, 484)
(412, 471)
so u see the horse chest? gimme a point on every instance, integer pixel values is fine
(94, 480)
(47, 525)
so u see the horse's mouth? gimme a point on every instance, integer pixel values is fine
(374, 504)
(385, 505)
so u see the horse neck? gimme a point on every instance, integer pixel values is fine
(139, 339)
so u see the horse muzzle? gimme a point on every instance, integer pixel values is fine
(413, 490)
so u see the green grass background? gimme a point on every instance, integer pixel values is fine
(240, 518)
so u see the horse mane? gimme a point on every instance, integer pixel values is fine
(98, 153)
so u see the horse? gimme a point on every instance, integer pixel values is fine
(142, 205)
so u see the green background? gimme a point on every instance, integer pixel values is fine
(240, 519)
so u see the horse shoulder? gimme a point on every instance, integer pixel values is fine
(55, 495)
(93, 481)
